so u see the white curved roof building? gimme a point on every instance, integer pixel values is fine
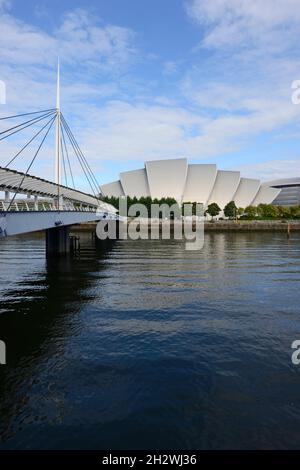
(199, 182)
(185, 182)
(225, 187)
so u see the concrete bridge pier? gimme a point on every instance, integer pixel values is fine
(57, 241)
(7, 199)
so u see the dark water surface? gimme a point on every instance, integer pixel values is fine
(146, 345)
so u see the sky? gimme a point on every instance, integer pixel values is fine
(155, 79)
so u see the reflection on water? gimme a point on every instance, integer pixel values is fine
(146, 345)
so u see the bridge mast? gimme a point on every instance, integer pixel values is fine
(57, 169)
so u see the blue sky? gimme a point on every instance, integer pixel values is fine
(151, 79)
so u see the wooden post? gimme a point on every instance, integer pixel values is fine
(289, 230)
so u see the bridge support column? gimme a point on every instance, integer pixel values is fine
(7, 199)
(57, 241)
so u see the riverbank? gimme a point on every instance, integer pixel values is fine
(228, 225)
(253, 225)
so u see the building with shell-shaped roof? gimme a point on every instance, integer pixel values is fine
(202, 183)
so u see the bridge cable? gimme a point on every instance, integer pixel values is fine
(64, 163)
(96, 183)
(83, 168)
(85, 173)
(31, 122)
(80, 155)
(81, 161)
(27, 114)
(31, 140)
(67, 154)
(23, 123)
(31, 163)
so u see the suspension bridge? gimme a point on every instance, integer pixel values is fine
(32, 203)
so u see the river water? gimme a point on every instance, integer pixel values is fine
(144, 345)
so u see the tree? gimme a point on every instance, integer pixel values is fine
(230, 210)
(193, 205)
(268, 211)
(213, 209)
(114, 201)
(251, 212)
(240, 211)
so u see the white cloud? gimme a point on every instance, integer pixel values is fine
(272, 23)
(92, 57)
(272, 169)
(123, 131)
(243, 85)
(79, 37)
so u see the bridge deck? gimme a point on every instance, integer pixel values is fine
(16, 223)
(41, 213)
(11, 180)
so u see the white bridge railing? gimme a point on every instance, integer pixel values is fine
(27, 205)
